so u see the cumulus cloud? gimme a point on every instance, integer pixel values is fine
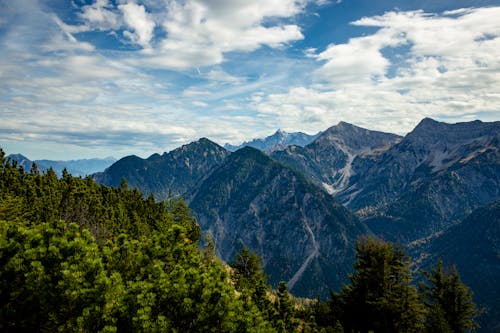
(449, 67)
(142, 24)
(194, 33)
(101, 15)
(59, 85)
(200, 32)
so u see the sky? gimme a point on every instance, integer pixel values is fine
(97, 78)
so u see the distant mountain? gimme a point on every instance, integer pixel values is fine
(278, 141)
(21, 161)
(327, 161)
(172, 173)
(427, 182)
(474, 247)
(303, 235)
(77, 168)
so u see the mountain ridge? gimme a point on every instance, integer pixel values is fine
(171, 173)
(328, 159)
(79, 167)
(443, 176)
(276, 141)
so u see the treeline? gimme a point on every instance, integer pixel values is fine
(77, 256)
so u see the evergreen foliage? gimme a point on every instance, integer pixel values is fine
(449, 302)
(76, 256)
(286, 320)
(380, 297)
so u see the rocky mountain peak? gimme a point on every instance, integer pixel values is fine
(353, 139)
(430, 131)
(279, 140)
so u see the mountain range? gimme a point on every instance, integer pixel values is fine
(277, 141)
(303, 207)
(77, 168)
(170, 174)
(405, 188)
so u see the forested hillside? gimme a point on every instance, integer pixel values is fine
(80, 257)
(304, 237)
(76, 256)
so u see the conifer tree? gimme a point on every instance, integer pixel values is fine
(380, 296)
(449, 302)
(248, 273)
(285, 311)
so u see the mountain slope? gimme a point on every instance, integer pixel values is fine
(327, 161)
(278, 141)
(430, 180)
(304, 236)
(474, 247)
(172, 173)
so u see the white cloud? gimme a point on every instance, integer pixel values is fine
(195, 33)
(219, 75)
(142, 24)
(449, 67)
(101, 15)
(358, 60)
(200, 104)
(199, 33)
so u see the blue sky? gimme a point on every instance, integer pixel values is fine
(103, 78)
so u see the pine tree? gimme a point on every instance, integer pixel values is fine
(248, 273)
(449, 302)
(380, 297)
(285, 311)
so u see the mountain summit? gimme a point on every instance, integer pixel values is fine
(327, 161)
(277, 141)
(430, 180)
(172, 173)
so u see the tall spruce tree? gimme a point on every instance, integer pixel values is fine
(286, 319)
(380, 297)
(449, 302)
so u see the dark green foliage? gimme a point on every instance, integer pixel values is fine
(449, 302)
(286, 321)
(248, 273)
(474, 247)
(380, 297)
(52, 278)
(249, 279)
(76, 256)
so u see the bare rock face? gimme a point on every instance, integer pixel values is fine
(430, 180)
(304, 237)
(328, 160)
